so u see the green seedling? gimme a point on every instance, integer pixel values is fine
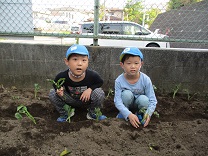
(175, 90)
(155, 88)
(143, 111)
(110, 92)
(15, 97)
(36, 90)
(69, 111)
(98, 113)
(189, 97)
(58, 84)
(153, 147)
(21, 109)
(65, 152)
(77, 40)
(156, 114)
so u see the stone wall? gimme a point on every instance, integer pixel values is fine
(23, 65)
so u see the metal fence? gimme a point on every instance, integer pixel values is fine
(66, 19)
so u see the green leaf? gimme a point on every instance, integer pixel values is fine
(65, 152)
(18, 116)
(20, 107)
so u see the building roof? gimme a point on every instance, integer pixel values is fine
(188, 22)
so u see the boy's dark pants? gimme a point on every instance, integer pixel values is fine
(96, 100)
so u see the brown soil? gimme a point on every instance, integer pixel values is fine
(181, 129)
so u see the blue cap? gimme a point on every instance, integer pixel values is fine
(77, 49)
(133, 51)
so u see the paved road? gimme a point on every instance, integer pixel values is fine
(38, 40)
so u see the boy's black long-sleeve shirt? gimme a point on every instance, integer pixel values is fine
(75, 89)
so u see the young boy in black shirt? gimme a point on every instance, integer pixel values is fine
(81, 85)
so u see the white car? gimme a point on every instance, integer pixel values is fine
(115, 33)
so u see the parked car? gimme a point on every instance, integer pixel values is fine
(75, 30)
(60, 25)
(115, 33)
(39, 24)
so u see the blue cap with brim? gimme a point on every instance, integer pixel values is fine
(77, 49)
(133, 51)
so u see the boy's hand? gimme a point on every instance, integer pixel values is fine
(134, 120)
(86, 95)
(60, 91)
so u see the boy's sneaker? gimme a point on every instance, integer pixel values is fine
(92, 116)
(120, 116)
(63, 118)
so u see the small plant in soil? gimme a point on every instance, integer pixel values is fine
(153, 146)
(15, 97)
(36, 90)
(65, 152)
(189, 96)
(110, 92)
(143, 110)
(155, 88)
(70, 112)
(58, 84)
(175, 90)
(21, 109)
(98, 113)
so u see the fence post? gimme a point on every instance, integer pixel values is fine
(96, 22)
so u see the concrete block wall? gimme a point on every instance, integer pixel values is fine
(23, 65)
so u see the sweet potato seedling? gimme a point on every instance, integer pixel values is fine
(110, 92)
(36, 90)
(189, 96)
(175, 90)
(58, 84)
(21, 109)
(69, 111)
(98, 113)
(143, 111)
(65, 152)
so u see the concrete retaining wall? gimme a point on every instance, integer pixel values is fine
(23, 65)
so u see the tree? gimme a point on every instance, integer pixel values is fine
(133, 12)
(152, 14)
(102, 12)
(176, 4)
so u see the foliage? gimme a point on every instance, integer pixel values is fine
(189, 96)
(133, 12)
(110, 92)
(69, 111)
(102, 12)
(176, 4)
(58, 84)
(153, 12)
(15, 97)
(21, 109)
(36, 90)
(143, 111)
(175, 90)
(98, 113)
(65, 152)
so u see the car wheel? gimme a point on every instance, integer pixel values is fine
(152, 45)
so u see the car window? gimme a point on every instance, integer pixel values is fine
(111, 28)
(74, 28)
(116, 28)
(61, 22)
(87, 28)
(132, 29)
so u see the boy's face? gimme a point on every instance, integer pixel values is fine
(77, 64)
(132, 65)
